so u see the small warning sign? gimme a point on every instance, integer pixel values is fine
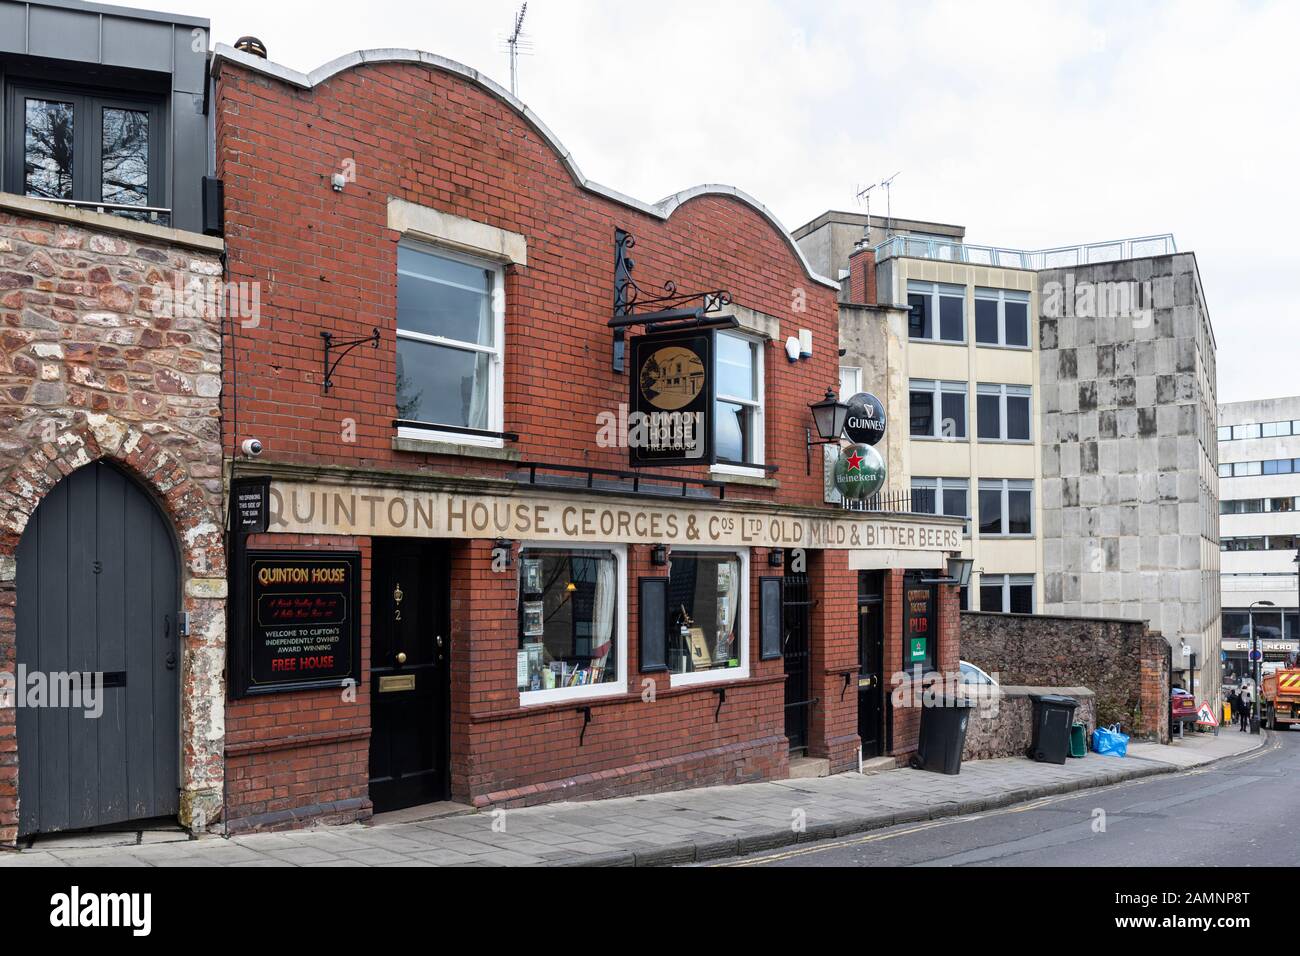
(1205, 717)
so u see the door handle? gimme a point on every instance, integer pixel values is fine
(170, 660)
(439, 642)
(401, 657)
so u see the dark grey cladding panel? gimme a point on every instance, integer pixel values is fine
(137, 44)
(13, 28)
(63, 34)
(190, 54)
(189, 133)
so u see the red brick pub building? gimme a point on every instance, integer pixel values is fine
(450, 523)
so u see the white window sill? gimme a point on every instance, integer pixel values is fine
(449, 438)
(561, 695)
(704, 678)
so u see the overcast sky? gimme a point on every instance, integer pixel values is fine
(1032, 124)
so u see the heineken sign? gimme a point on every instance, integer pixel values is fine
(865, 424)
(859, 473)
(670, 403)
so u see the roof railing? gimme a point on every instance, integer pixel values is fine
(1061, 257)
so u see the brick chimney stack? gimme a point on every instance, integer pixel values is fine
(862, 275)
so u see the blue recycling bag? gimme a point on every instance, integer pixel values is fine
(1109, 742)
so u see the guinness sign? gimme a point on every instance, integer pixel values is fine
(865, 424)
(670, 408)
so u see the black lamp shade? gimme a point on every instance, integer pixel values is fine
(959, 570)
(829, 416)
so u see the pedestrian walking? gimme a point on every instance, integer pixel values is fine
(1247, 696)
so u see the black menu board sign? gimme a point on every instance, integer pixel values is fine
(302, 619)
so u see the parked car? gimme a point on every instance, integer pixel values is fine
(970, 674)
(1182, 708)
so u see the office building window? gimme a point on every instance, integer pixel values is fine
(1006, 507)
(938, 409)
(1007, 593)
(850, 382)
(936, 312)
(1002, 318)
(1003, 412)
(942, 496)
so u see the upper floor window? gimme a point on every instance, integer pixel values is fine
(850, 381)
(738, 434)
(1007, 593)
(938, 409)
(937, 312)
(90, 150)
(1003, 412)
(1002, 318)
(1006, 507)
(942, 496)
(450, 330)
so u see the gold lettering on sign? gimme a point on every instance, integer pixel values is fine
(321, 509)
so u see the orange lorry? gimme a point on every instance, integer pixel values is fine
(1279, 698)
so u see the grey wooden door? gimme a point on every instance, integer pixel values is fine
(97, 593)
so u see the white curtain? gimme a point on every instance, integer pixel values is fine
(482, 385)
(733, 598)
(602, 625)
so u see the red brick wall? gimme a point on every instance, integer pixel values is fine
(306, 754)
(834, 719)
(862, 277)
(327, 261)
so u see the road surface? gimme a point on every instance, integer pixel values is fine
(1240, 811)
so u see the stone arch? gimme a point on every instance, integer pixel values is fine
(196, 522)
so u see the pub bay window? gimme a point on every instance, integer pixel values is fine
(738, 433)
(707, 632)
(571, 624)
(1003, 412)
(1007, 593)
(98, 151)
(936, 312)
(938, 409)
(1006, 507)
(450, 331)
(1002, 318)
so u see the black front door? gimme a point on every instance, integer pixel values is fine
(98, 594)
(798, 685)
(871, 656)
(409, 667)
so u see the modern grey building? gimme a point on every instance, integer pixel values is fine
(1063, 399)
(105, 108)
(1259, 527)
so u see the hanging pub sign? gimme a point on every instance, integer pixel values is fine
(859, 472)
(865, 423)
(300, 619)
(670, 407)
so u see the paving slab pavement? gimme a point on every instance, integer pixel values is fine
(652, 830)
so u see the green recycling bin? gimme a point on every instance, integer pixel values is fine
(1078, 740)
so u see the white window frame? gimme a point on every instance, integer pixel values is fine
(938, 389)
(937, 291)
(1002, 297)
(615, 688)
(1247, 432)
(1006, 486)
(1002, 393)
(1006, 582)
(938, 486)
(730, 674)
(855, 372)
(757, 416)
(496, 365)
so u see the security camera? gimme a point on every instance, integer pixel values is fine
(252, 447)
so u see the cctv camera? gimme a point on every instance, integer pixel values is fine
(252, 447)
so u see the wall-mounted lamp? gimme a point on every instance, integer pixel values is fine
(829, 416)
(959, 570)
(776, 557)
(659, 556)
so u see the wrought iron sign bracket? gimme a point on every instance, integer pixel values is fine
(667, 306)
(343, 349)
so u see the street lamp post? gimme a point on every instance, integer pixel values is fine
(1255, 653)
